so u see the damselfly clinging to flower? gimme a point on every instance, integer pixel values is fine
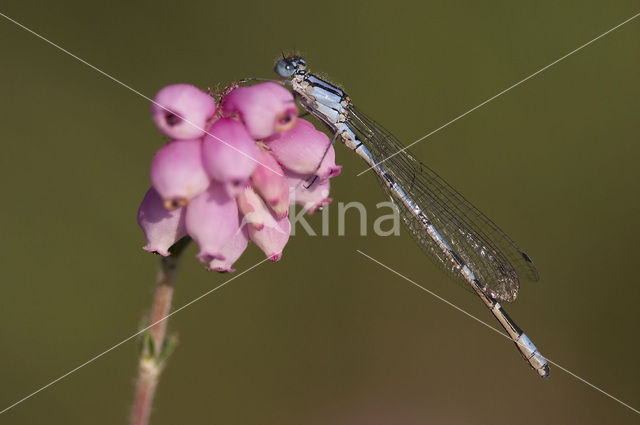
(445, 225)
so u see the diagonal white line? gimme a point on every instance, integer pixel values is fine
(109, 76)
(494, 329)
(96, 357)
(501, 93)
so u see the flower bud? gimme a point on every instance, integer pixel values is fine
(268, 181)
(161, 228)
(253, 209)
(229, 154)
(212, 220)
(231, 251)
(272, 238)
(181, 111)
(304, 150)
(265, 109)
(309, 192)
(177, 172)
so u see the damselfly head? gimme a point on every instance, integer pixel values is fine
(287, 67)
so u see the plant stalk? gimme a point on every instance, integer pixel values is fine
(156, 347)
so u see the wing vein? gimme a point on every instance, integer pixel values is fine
(492, 255)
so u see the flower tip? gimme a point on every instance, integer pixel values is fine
(319, 205)
(235, 187)
(221, 269)
(335, 171)
(258, 226)
(155, 250)
(275, 257)
(286, 120)
(171, 204)
(273, 201)
(325, 174)
(208, 257)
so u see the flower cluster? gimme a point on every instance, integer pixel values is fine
(231, 170)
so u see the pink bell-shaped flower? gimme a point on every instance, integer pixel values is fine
(265, 108)
(272, 238)
(181, 111)
(161, 228)
(177, 172)
(304, 150)
(229, 154)
(306, 191)
(253, 209)
(328, 167)
(269, 182)
(231, 251)
(212, 220)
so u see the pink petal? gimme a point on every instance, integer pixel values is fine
(181, 111)
(328, 167)
(268, 181)
(265, 109)
(307, 192)
(272, 238)
(235, 188)
(177, 172)
(229, 154)
(281, 208)
(231, 251)
(304, 150)
(161, 228)
(212, 220)
(253, 209)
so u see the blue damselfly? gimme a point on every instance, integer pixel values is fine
(445, 225)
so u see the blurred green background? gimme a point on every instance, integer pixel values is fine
(325, 336)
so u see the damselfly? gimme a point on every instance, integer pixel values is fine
(445, 225)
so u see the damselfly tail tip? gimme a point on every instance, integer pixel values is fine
(544, 371)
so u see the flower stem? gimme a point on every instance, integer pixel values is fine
(156, 347)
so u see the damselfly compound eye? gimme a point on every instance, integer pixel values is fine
(284, 68)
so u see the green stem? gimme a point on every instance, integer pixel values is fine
(156, 347)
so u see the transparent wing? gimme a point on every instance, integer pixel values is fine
(494, 258)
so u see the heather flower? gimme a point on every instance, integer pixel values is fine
(231, 251)
(229, 154)
(269, 182)
(181, 111)
(212, 220)
(162, 228)
(304, 150)
(233, 185)
(177, 172)
(265, 109)
(308, 191)
(272, 238)
(253, 208)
